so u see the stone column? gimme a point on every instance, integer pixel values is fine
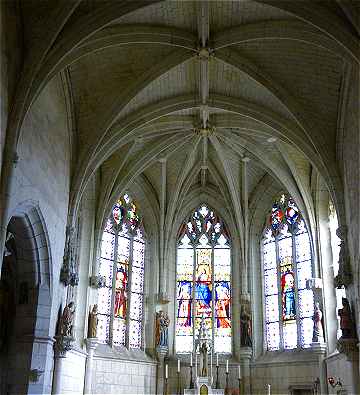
(320, 350)
(245, 357)
(91, 344)
(160, 375)
(62, 345)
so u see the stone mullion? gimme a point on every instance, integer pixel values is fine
(193, 299)
(297, 310)
(281, 345)
(128, 290)
(212, 300)
(113, 288)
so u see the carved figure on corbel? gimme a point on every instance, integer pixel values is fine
(68, 273)
(64, 338)
(347, 344)
(97, 282)
(344, 277)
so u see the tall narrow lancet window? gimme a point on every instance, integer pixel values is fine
(287, 264)
(120, 302)
(203, 282)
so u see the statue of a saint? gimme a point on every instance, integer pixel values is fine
(204, 359)
(245, 326)
(92, 322)
(346, 322)
(161, 329)
(67, 320)
(318, 332)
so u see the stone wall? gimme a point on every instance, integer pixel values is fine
(113, 376)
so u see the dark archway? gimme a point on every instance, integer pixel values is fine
(25, 304)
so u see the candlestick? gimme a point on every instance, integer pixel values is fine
(240, 389)
(178, 367)
(217, 384)
(217, 359)
(227, 366)
(269, 389)
(227, 390)
(166, 371)
(191, 386)
(166, 388)
(178, 389)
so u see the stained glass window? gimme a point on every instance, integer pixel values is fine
(203, 282)
(287, 264)
(120, 302)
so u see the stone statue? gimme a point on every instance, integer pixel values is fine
(92, 322)
(245, 326)
(318, 332)
(346, 322)
(161, 329)
(344, 277)
(67, 320)
(204, 359)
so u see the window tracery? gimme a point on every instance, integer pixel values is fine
(203, 282)
(287, 264)
(120, 302)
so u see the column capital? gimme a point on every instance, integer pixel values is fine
(91, 343)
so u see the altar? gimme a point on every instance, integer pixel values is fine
(203, 381)
(203, 387)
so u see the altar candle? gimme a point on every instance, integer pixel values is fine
(178, 369)
(239, 372)
(166, 371)
(217, 359)
(227, 366)
(191, 359)
(269, 389)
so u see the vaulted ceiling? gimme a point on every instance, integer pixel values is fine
(203, 86)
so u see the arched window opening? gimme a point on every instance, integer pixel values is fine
(287, 264)
(203, 280)
(335, 248)
(120, 302)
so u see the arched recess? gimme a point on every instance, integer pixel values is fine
(25, 286)
(259, 206)
(195, 198)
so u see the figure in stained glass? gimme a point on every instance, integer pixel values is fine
(204, 237)
(288, 295)
(120, 293)
(287, 265)
(203, 288)
(184, 309)
(222, 292)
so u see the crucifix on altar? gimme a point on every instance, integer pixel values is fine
(203, 375)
